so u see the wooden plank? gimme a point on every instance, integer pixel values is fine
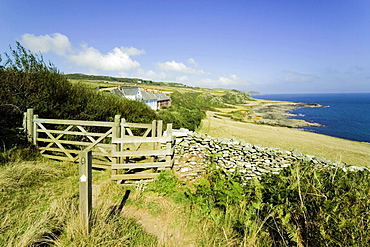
(134, 176)
(75, 122)
(137, 125)
(77, 133)
(73, 151)
(139, 139)
(141, 165)
(75, 142)
(143, 153)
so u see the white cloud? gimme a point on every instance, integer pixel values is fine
(178, 67)
(116, 60)
(192, 62)
(224, 81)
(132, 51)
(57, 43)
(297, 77)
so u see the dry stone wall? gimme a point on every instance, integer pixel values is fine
(194, 152)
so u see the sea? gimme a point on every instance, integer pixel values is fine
(345, 115)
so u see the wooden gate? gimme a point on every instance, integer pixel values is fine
(137, 157)
(126, 148)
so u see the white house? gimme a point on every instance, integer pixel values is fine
(153, 100)
(150, 99)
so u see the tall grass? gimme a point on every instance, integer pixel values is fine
(39, 207)
(302, 206)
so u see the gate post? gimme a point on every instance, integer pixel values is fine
(116, 133)
(29, 125)
(34, 131)
(85, 172)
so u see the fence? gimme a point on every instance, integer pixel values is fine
(129, 149)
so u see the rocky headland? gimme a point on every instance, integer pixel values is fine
(277, 114)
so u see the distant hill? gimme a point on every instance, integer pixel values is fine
(253, 93)
(102, 78)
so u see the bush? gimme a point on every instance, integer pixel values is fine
(302, 206)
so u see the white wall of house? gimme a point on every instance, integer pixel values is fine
(152, 104)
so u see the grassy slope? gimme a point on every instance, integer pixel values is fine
(334, 149)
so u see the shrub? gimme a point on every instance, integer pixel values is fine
(303, 205)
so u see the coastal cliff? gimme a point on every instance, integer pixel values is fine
(277, 114)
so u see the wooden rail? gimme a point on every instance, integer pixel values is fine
(129, 149)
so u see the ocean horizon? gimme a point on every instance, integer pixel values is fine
(345, 115)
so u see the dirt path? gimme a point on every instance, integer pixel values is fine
(157, 215)
(168, 232)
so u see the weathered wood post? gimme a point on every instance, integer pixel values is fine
(123, 134)
(116, 133)
(85, 172)
(154, 144)
(29, 125)
(169, 144)
(159, 132)
(34, 130)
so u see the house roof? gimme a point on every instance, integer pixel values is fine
(130, 91)
(162, 97)
(148, 95)
(118, 92)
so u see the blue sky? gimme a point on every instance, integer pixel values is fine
(280, 46)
